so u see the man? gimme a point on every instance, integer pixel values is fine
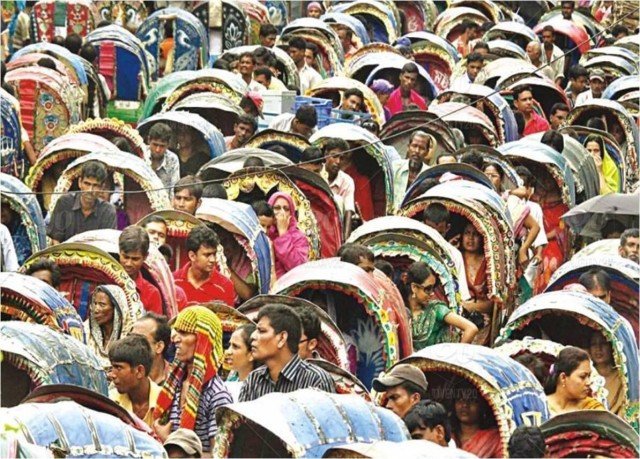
(419, 156)
(470, 31)
(552, 55)
(183, 443)
(267, 35)
(252, 104)
(597, 85)
(629, 245)
(578, 77)
(527, 441)
(310, 56)
(523, 101)
(246, 64)
(133, 244)
(346, 39)
(156, 228)
(155, 328)
(559, 112)
(359, 255)
(199, 277)
(275, 342)
(187, 194)
(303, 122)
(130, 359)
(429, 420)
(619, 31)
(312, 159)
(45, 270)
(404, 386)
(404, 95)
(534, 55)
(192, 154)
(352, 100)
(482, 48)
(265, 77)
(77, 212)
(308, 76)
(243, 129)
(310, 333)
(566, 9)
(340, 182)
(475, 61)
(598, 283)
(164, 162)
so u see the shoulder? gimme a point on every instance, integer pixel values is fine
(66, 200)
(215, 392)
(171, 157)
(319, 375)
(105, 206)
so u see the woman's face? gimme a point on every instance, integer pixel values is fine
(101, 308)
(494, 176)
(238, 355)
(471, 239)
(383, 98)
(600, 350)
(594, 150)
(424, 291)
(281, 205)
(468, 410)
(577, 383)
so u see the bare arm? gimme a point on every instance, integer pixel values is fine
(533, 227)
(242, 288)
(468, 328)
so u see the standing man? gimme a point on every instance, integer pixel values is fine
(630, 245)
(340, 182)
(419, 156)
(597, 85)
(405, 95)
(275, 342)
(475, 61)
(308, 76)
(470, 31)
(155, 328)
(559, 112)
(404, 386)
(164, 162)
(133, 244)
(552, 55)
(243, 129)
(523, 101)
(187, 194)
(246, 64)
(77, 212)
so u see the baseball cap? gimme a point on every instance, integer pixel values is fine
(399, 374)
(187, 440)
(596, 74)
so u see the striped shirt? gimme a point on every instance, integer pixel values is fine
(296, 374)
(214, 394)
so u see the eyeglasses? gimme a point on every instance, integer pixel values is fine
(283, 208)
(303, 340)
(428, 289)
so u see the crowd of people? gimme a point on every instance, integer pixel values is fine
(444, 196)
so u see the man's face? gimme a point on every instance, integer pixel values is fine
(332, 161)
(243, 132)
(558, 118)
(547, 39)
(309, 58)
(245, 66)
(434, 435)
(579, 84)
(473, 68)
(157, 232)
(132, 262)
(91, 188)
(597, 87)
(533, 52)
(567, 10)
(44, 275)
(399, 401)
(408, 80)
(301, 128)
(441, 227)
(265, 342)
(344, 39)
(601, 294)
(524, 103)
(352, 103)
(148, 328)
(125, 377)
(204, 260)
(296, 54)
(419, 149)
(158, 148)
(366, 264)
(268, 41)
(183, 200)
(262, 79)
(314, 12)
(630, 249)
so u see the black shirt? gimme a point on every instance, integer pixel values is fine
(67, 218)
(192, 165)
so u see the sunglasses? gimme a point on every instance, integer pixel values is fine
(428, 289)
(284, 208)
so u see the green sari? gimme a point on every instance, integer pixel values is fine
(429, 327)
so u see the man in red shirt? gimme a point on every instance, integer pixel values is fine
(523, 101)
(405, 96)
(199, 277)
(134, 248)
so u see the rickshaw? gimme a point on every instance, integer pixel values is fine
(570, 318)
(475, 125)
(128, 15)
(410, 448)
(257, 14)
(363, 310)
(333, 88)
(397, 131)
(448, 24)
(497, 69)
(25, 222)
(293, 144)
(233, 160)
(625, 282)
(110, 128)
(28, 299)
(631, 42)
(162, 89)
(143, 190)
(391, 68)
(352, 63)
(568, 36)
(590, 433)
(50, 18)
(218, 109)
(288, 70)
(56, 156)
(190, 50)
(324, 37)
(35, 355)
(511, 178)
(247, 247)
(14, 158)
(619, 124)
(580, 18)
(545, 92)
(619, 87)
(530, 12)
(611, 63)
(607, 247)
(418, 16)
(489, 8)
(402, 240)
(279, 13)
(514, 31)
(126, 67)
(435, 54)
(379, 18)
(372, 162)
(154, 269)
(49, 103)
(504, 48)
(437, 172)
(513, 395)
(345, 382)
(304, 423)
(341, 20)
(332, 346)
(66, 70)
(236, 26)
(493, 105)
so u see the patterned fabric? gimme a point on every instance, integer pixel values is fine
(206, 360)
(95, 339)
(429, 327)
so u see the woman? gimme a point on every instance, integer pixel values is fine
(474, 426)
(601, 354)
(432, 318)
(567, 386)
(383, 89)
(607, 170)
(238, 358)
(193, 390)
(290, 245)
(105, 322)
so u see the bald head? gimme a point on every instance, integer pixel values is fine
(534, 51)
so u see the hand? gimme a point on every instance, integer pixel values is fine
(282, 222)
(162, 430)
(536, 260)
(523, 257)
(455, 241)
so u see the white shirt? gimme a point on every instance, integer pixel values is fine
(9, 257)
(343, 188)
(255, 86)
(458, 261)
(584, 97)
(283, 122)
(536, 212)
(309, 78)
(461, 83)
(558, 65)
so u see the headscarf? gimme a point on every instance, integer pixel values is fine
(206, 360)
(312, 5)
(381, 86)
(94, 333)
(293, 223)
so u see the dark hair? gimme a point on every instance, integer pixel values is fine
(247, 330)
(277, 149)
(310, 322)
(122, 144)
(578, 71)
(262, 208)
(222, 64)
(520, 123)
(568, 360)
(436, 213)
(385, 267)
(191, 184)
(553, 139)
(267, 29)
(88, 52)
(535, 365)
(73, 42)
(472, 158)
(475, 57)
(412, 388)
(618, 29)
(47, 63)
(527, 441)
(611, 227)
(155, 219)
(297, 43)
(496, 166)
(249, 55)
(352, 253)
(571, 3)
(419, 272)
(312, 155)
(314, 48)
(371, 126)
(347, 30)
(480, 45)
(559, 106)
(525, 174)
(428, 414)
(166, 251)
(307, 115)
(94, 169)
(596, 123)
(266, 71)
(245, 118)
(626, 234)
(214, 190)
(519, 90)
(353, 92)
(163, 330)
(133, 349)
(44, 264)
(283, 318)
(161, 132)
(549, 28)
(409, 67)
(202, 236)
(134, 238)
(335, 143)
(597, 139)
(253, 161)
(595, 278)
(468, 24)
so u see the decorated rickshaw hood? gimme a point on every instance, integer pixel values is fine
(425, 35)
(511, 27)
(162, 89)
(25, 203)
(349, 21)
(576, 33)
(621, 86)
(381, 11)
(294, 144)
(74, 59)
(494, 70)
(233, 160)
(456, 112)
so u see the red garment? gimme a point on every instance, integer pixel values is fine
(536, 124)
(555, 252)
(485, 443)
(363, 194)
(292, 248)
(181, 298)
(217, 287)
(149, 295)
(394, 104)
(478, 287)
